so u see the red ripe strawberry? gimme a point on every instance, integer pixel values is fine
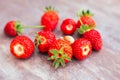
(85, 18)
(13, 28)
(81, 48)
(43, 40)
(50, 18)
(95, 38)
(68, 26)
(61, 52)
(22, 47)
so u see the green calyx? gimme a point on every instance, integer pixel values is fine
(83, 29)
(18, 27)
(59, 57)
(37, 40)
(84, 13)
(50, 8)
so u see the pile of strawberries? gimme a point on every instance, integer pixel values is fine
(61, 50)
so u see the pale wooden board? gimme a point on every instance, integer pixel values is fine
(103, 65)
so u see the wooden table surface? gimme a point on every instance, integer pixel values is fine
(103, 65)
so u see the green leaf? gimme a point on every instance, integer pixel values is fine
(83, 13)
(87, 28)
(50, 8)
(54, 51)
(18, 27)
(56, 63)
(88, 12)
(80, 13)
(61, 49)
(51, 58)
(62, 62)
(81, 29)
(67, 58)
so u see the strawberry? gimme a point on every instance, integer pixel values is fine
(13, 28)
(95, 38)
(50, 18)
(22, 47)
(60, 52)
(85, 18)
(81, 48)
(68, 26)
(43, 40)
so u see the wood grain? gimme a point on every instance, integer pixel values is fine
(103, 65)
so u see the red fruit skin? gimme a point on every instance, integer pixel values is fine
(77, 47)
(58, 44)
(26, 43)
(49, 38)
(68, 26)
(9, 29)
(50, 20)
(86, 20)
(95, 38)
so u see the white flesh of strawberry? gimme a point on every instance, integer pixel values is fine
(19, 49)
(69, 27)
(85, 50)
(43, 39)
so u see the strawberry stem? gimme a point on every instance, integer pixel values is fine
(19, 27)
(33, 27)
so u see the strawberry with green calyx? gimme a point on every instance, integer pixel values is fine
(50, 18)
(43, 40)
(14, 28)
(85, 18)
(60, 52)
